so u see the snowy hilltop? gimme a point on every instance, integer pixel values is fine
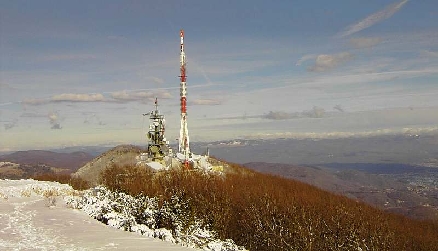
(190, 209)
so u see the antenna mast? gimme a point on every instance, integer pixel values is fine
(184, 132)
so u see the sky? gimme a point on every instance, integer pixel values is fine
(83, 72)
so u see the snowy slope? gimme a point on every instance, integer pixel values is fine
(33, 216)
(45, 216)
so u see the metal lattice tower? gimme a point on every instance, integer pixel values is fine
(158, 146)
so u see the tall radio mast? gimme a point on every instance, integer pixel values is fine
(184, 132)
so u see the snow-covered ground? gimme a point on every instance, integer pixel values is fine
(38, 215)
(34, 216)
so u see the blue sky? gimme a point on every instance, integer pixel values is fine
(83, 72)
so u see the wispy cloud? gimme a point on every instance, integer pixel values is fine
(306, 58)
(341, 134)
(315, 112)
(126, 96)
(373, 19)
(66, 97)
(325, 62)
(121, 97)
(369, 77)
(35, 101)
(71, 97)
(206, 102)
(236, 65)
(157, 80)
(364, 42)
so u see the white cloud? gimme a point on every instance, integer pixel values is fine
(305, 58)
(373, 19)
(71, 97)
(326, 62)
(65, 97)
(364, 42)
(121, 96)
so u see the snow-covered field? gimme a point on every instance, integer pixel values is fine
(37, 215)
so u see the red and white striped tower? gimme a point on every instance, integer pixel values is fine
(184, 132)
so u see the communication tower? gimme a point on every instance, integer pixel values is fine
(183, 140)
(158, 146)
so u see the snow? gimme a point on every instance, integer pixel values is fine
(142, 215)
(45, 215)
(199, 161)
(28, 222)
(156, 166)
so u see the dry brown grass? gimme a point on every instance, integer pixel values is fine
(75, 182)
(266, 212)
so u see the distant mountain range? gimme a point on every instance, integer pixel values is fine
(25, 164)
(396, 173)
(397, 149)
(71, 161)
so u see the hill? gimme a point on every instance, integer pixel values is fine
(122, 155)
(125, 155)
(255, 210)
(10, 170)
(261, 211)
(70, 161)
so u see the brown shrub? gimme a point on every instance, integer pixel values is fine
(76, 182)
(266, 212)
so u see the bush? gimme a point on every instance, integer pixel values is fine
(76, 182)
(266, 212)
